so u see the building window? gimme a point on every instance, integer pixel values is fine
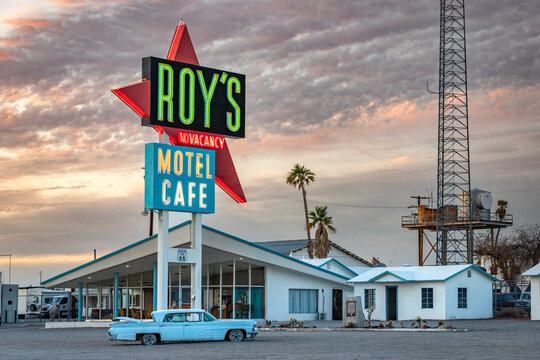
(427, 298)
(369, 298)
(303, 301)
(462, 298)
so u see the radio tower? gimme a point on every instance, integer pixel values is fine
(454, 227)
(458, 212)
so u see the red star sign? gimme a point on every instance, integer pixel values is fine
(137, 97)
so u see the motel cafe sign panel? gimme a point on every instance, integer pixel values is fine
(179, 178)
(195, 98)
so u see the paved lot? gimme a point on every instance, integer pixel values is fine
(487, 339)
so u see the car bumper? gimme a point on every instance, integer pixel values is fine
(112, 337)
(252, 335)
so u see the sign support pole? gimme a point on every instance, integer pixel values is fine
(162, 249)
(196, 268)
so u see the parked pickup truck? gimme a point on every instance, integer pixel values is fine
(181, 325)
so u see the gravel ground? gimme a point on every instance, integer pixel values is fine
(486, 339)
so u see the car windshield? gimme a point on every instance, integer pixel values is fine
(508, 297)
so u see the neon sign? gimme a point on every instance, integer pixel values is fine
(200, 140)
(179, 178)
(196, 98)
(137, 96)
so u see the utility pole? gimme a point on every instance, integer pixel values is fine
(9, 276)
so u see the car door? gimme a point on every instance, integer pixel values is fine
(195, 329)
(172, 327)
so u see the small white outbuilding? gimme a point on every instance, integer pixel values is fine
(431, 292)
(534, 273)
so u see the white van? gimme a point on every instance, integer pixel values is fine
(33, 299)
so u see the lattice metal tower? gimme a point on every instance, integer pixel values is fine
(454, 227)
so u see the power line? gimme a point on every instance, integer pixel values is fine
(359, 206)
(395, 249)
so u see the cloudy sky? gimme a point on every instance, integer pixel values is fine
(339, 86)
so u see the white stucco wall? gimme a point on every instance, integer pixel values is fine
(339, 255)
(380, 299)
(479, 296)
(535, 298)
(409, 299)
(278, 283)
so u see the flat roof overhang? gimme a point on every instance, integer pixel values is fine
(217, 246)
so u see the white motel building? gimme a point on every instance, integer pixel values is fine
(431, 292)
(240, 279)
(275, 280)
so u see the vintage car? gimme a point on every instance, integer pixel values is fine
(181, 325)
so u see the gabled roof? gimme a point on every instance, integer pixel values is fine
(317, 262)
(534, 271)
(321, 262)
(288, 246)
(416, 273)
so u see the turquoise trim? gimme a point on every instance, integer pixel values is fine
(271, 251)
(387, 273)
(475, 267)
(404, 280)
(79, 313)
(116, 281)
(340, 264)
(112, 254)
(204, 227)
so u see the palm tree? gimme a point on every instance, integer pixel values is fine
(323, 222)
(501, 211)
(300, 177)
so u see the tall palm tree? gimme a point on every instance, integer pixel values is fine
(320, 219)
(300, 177)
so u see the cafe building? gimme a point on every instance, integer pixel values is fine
(240, 280)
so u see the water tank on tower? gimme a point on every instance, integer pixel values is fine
(481, 202)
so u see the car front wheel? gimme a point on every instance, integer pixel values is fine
(236, 336)
(149, 339)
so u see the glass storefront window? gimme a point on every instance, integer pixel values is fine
(242, 273)
(257, 275)
(227, 273)
(241, 306)
(239, 294)
(257, 303)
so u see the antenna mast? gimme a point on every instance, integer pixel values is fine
(454, 227)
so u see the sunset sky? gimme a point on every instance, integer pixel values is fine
(338, 86)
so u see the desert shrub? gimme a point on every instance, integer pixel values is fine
(293, 323)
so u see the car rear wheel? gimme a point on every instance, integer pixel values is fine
(236, 336)
(149, 339)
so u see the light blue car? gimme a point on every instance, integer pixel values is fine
(181, 325)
